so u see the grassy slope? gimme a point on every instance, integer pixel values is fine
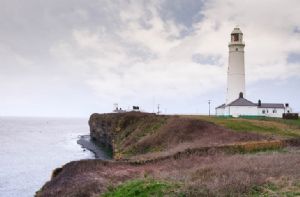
(263, 174)
(152, 133)
(283, 188)
(269, 126)
(134, 130)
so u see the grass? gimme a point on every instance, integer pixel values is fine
(142, 188)
(263, 125)
(255, 147)
(271, 189)
(248, 126)
(133, 130)
(295, 123)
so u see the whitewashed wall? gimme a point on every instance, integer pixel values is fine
(236, 111)
(269, 112)
(220, 111)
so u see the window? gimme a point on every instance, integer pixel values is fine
(263, 111)
(236, 37)
(274, 111)
(236, 49)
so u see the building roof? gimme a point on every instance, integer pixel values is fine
(244, 102)
(221, 106)
(241, 102)
(271, 105)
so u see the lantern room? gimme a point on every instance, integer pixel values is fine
(236, 35)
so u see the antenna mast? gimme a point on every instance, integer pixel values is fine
(209, 101)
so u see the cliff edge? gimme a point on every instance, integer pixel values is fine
(183, 156)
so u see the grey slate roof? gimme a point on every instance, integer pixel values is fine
(271, 105)
(241, 102)
(245, 102)
(221, 106)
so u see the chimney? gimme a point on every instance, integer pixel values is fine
(241, 95)
(259, 102)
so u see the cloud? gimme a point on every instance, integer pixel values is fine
(132, 51)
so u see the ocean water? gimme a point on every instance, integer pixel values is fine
(30, 148)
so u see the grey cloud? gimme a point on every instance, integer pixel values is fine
(206, 59)
(185, 12)
(296, 29)
(293, 58)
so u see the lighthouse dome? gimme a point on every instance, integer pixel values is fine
(236, 30)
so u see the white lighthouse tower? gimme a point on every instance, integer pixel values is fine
(236, 104)
(236, 67)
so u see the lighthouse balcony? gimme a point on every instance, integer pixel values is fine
(236, 43)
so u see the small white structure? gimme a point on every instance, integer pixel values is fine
(236, 105)
(117, 109)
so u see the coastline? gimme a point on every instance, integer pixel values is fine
(100, 152)
(191, 155)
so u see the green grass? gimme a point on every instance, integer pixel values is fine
(241, 150)
(137, 130)
(244, 125)
(271, 189)
(248, 126)
(288, 128)
(142, 188)
(135, 151)
(294, 123)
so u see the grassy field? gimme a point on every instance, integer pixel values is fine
(143, 188)
(158, 188)
(145, 136)
(285, 189)
(270, 126)
(254, 175)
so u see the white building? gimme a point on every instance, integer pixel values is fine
(236, 105)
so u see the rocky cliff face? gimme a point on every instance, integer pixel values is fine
(106, 128)
(102, 127)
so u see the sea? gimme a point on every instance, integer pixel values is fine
(31, 148)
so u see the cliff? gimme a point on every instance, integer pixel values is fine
(134, 135)
(121, 131)
(186, 155)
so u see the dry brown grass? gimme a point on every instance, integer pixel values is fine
(217, 175)
(236, 174)
(180, 133)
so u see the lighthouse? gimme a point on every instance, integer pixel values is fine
(236, 67)
(236, 105)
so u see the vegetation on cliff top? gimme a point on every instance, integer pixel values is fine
(138, 136)
(263, 125)
(158, 188)
(151, 134)
(143, 188)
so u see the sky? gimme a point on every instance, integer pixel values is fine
(73, 58)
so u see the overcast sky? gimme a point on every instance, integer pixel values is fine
(76, 57)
